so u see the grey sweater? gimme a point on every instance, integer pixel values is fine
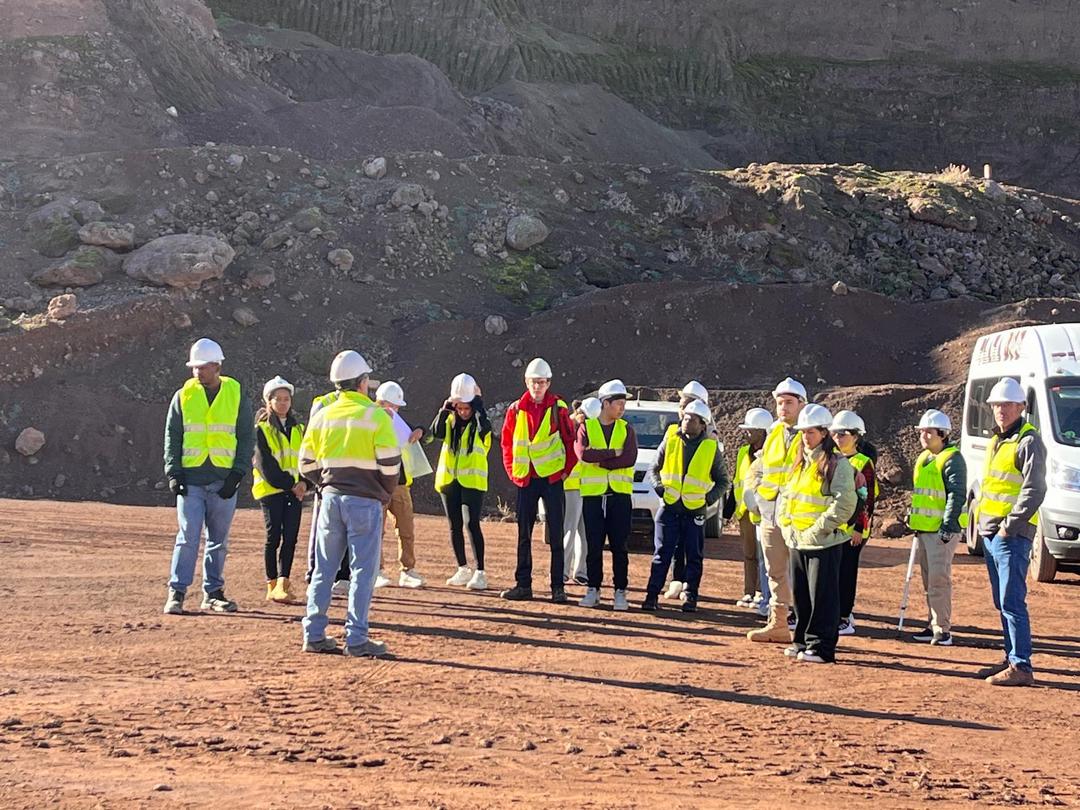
(1031, 461)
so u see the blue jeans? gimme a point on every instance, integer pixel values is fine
(1007, 561)
(353, 524)
(202, 507)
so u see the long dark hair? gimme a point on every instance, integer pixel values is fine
(455, 437)
(825, 463)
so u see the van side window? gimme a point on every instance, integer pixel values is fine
(979, 419)
(1033, 408)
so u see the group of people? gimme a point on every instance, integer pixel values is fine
(803, 494)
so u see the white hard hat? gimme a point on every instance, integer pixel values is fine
(612, 389)
(813, 416)
(390, 392)
(276, 383)
(1006, 390)
(789, 385)
(848, 420)
(699, 408)
(695, 390)
(463, 388)
(348, 365)
(590, 406)
(935, 419)
(204, 351)
(538, 369)
(757, 419)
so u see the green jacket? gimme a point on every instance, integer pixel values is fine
(824, 533)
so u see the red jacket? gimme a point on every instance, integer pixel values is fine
(535, 414)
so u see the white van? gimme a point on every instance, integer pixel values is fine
(1046, 361)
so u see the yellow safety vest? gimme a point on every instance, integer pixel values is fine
(352, 431)
(469, 469)
(696, 483)
(544, 452)
(286, 453)
(805, 500)
(1002, 479)
(928, 496)
(777, 459)
(210, 428)
(573, 480)
(595, 480)
(324, 400)
(860, 460)
(742, 469)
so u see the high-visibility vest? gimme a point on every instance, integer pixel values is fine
(805, 500)
(595, 480)
(353, 432)
(544, 452)
(469, 469)
(572, 482)
(1002, 478)
(324, 400)
(928, 495)
(860, 460)
(210, 428)
(286, 453)
(742, 469)
(692, 487)
(777, 459)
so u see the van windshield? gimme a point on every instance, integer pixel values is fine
(1065, 404)
(650, 426)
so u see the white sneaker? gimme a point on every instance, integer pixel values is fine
(807, 657)
(341, 587)
(591, 598)
(410, 579)
(381, 581)
(745, 601)
(792, 651)
(462, 577)
(682, 593)
(846, 628)
(620, 601)
(478, 582)
(673, 590)
(851, 619)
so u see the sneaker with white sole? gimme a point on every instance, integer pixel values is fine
(808, 657)
(381, 581)
(846, 628)
(591, 598)
(673, 590)
(369, 649)
(174, 605)
(942, 639)
(410, 579)
(745, 601)
(218, 602)
(620, 601)
(477, 582)
(323, 645)
(461, 577)
(924, 636)
(792, 651)
(851, 619)
(341, 587)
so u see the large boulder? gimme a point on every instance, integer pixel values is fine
(81, 268)
(53, 228)
(939, 212)
(180, 260)
(62, 307)
(108, 234)
(525, 231)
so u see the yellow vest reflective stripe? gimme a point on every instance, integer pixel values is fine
(286, 453)
(573, 480)
(805, 500)
(1002, 479)
(544, 452)
(692, 487)
(742, 469)
(595, 480)
(928, 496)
(776, 462)
(860, 460)
(351, 432)
(210, 428)
(469, 469)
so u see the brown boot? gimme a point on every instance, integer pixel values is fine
(1013, 676)
(775, 632)
(280, 593)
(988, 672)
(270, 589)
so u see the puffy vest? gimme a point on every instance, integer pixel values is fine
(692, 487)
(343, 434)
(742, 469)
(470, 470)
(928, 495)
(286, 453)
(806, 501)
(1002, 479)
(544, 452)
(859, 461)
(210, 428)
(776, 462)
(595, 480)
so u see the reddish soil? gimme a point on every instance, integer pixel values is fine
(104, 702)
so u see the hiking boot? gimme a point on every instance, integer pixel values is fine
(1012, 676)
(270, 585)
(990, 671)
(924, 636)
(381, 581)
(174, 604)
(591, 598)
(620, 601)
(323, 645)
(290, 596)
(558, 595)
(477, 582)
(772, 632)
(461, 577)
(369, 649)
(280, 592)
(942, 639)
(689, 604)
(519, 594)
(673, 590)
(218, 602)
(846, 628)
(650, 603)
(410, 579)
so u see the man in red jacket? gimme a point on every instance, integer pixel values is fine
(538, 453)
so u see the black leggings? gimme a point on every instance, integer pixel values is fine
(454, 498)
(281, 514)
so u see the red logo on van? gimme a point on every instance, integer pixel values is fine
(1001, 347)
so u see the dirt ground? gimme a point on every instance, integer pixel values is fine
(104, 702)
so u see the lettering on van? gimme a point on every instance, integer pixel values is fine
(1001, 347)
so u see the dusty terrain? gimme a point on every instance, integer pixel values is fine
(107, 703)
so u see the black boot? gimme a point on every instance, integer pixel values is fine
(517, 594)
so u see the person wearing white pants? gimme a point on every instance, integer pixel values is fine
(574, 546)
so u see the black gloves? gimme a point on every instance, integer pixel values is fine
(177, 486)
(228, 489)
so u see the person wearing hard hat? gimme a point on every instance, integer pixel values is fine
(538, 454)
(1013, 489)
(607, 451)
(777, 457)
(815, 511)
(688, 475)
(462, 476)
(938, 516)
(756, 423)
(575, 550)
(209, 439)
(351, 452)
(391, 398)
(277, 484)
(848, 431)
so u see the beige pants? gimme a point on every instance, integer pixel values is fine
(748, 536)
(935, 561)
(402, 510)
(777, 560)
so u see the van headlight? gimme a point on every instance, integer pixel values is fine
(1064, 476)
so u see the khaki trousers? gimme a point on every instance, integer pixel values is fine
(935, 562)
(748, 536)
(777, 564)
(402, 509)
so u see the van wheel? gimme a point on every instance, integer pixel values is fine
(713, 525)
(973, 541)
(1043, 564)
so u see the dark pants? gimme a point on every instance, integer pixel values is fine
(815, 587)
(679, 526)
(528, 500)
(456, 499)
(281, 514)
(607, 517)
(849, 577)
